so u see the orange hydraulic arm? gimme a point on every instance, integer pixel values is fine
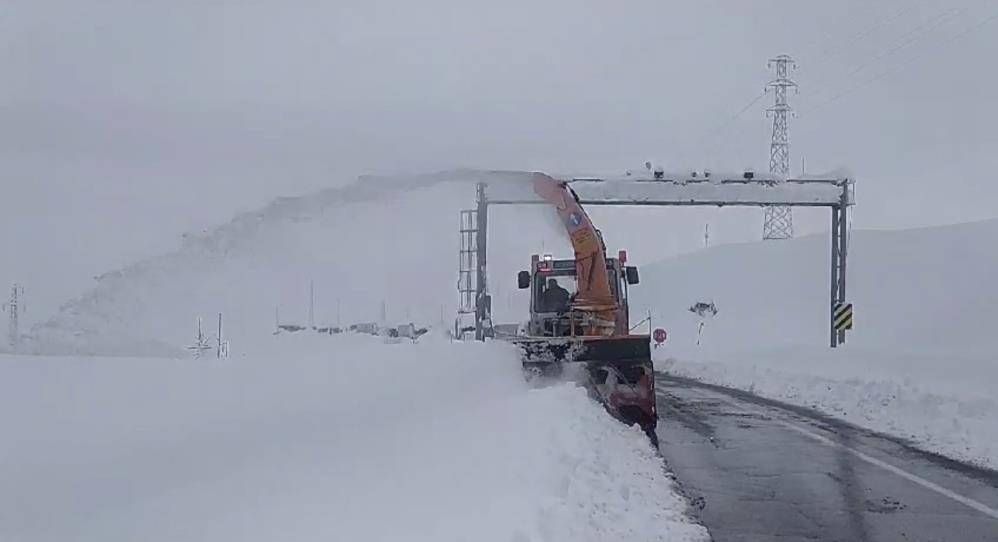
(594, 295)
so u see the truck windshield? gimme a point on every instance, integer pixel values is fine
(553, 293)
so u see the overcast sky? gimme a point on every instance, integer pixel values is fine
(125, 123)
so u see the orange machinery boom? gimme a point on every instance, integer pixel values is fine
(594, 296)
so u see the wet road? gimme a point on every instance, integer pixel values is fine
(759, 470)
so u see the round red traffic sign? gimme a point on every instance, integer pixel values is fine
(660, 335)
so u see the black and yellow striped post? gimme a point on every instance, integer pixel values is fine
(840, 246)
(842, 318)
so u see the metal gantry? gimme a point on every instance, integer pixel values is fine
(472, 266)
(467, 268)
(840, 250)
(835, 193)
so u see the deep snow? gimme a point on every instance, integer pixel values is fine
(920, 364)
(321, 438)
(307, 436)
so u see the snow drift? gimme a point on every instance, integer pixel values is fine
(919, 364)
(434, 441)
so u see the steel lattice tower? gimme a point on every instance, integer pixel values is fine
(779, 222)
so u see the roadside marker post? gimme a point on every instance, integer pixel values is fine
(842, 319)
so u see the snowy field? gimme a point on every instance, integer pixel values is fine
(921, 363)
(321, 438)
(345, 437)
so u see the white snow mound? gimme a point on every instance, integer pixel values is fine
(341, 438)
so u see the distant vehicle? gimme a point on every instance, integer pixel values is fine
(367, 327)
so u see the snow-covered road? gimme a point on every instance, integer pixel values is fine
(339, 438)
(919, 396)
(762, 471)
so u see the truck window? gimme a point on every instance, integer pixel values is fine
(553, 300)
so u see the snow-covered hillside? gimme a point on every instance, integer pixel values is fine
(346, 438)
(920, 363)
(923, 288)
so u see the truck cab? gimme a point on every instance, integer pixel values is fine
(619, 370)
(553, 286)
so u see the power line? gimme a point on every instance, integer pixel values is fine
(724, 125)
(913, 36)
(831, 31)
(899, 66)
(908, 38)
(862, 34)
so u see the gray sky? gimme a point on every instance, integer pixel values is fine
(124, 123)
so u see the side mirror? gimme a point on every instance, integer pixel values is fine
(523, 280)
(632, 275)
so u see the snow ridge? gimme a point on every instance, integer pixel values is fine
(310, 439)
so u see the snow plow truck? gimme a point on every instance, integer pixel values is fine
(579, 317)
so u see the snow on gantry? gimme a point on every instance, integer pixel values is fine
(694, 188)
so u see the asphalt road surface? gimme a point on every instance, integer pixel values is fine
(759, 470)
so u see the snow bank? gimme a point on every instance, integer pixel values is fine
(908, 395)
(321, 438)
(921, 363)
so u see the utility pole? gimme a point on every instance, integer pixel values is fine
(706, 235)
(779, 221)
(311, 304)
(218, 350)
(14, 308)
(201, 342)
